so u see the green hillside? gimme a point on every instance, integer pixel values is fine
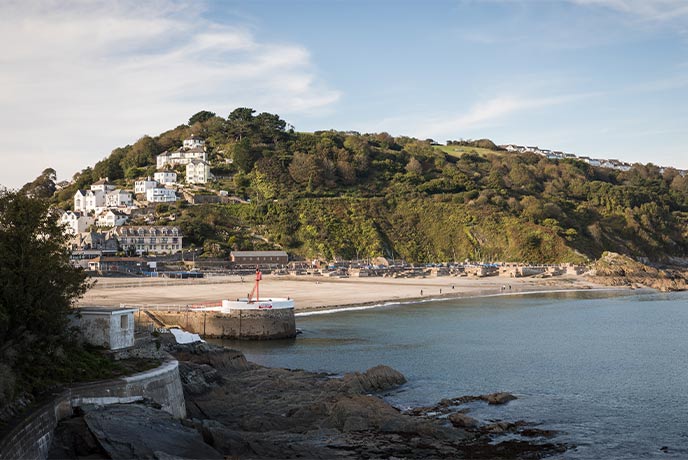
(344, 194)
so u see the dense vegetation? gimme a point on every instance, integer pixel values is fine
(344, 194)
(38, 285)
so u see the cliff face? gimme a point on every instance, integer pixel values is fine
(614, 269)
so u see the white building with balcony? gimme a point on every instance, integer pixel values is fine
(150, 239)
(160, 195)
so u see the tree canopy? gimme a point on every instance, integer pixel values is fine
(38, 285)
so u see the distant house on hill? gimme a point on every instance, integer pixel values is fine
(84, 241)
(103, 185)
(166, 177)
(112, 218)
(118, 198)
(192, 149)
(76, 222)
(160, 195)
(141, 186)
(193, 142)
(198, 172)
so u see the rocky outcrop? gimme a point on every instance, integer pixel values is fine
(498, 398)
(257, 412)
(614, 269)
(461, 420)
(138, 431)
(375, 379)
(242, 410)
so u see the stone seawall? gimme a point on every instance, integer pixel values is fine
(238, 324)
(30, 438)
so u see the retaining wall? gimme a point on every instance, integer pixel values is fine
(30, 438)
(238, 324)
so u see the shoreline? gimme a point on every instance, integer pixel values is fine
(370, 306)
(317, 295)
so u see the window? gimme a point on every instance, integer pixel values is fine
(124, 321)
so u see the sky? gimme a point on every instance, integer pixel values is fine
(602, 78)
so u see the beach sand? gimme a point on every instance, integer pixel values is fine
(316, 292)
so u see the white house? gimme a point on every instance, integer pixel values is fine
(160, 195)
(94, 200)
(193, 142)
(141, 186)
(103, 185)
(150, 239)
(198, 172)
(192, 149)
(80, 201)
(75, 222)
(117, 198)
(180, 157)
(112, 218)
(166, 177)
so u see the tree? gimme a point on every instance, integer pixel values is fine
(241, 123)
(244, 155)
(38, 288)
(43, 186)
(414, 167)
(200, 117)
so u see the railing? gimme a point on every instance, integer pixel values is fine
(172, 307)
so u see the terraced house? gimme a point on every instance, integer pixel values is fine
(149, 239)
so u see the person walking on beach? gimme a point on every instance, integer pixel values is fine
(421, 293)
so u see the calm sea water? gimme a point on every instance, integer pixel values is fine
(609, 370)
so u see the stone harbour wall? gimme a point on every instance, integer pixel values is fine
(238, 324)
(30, 438)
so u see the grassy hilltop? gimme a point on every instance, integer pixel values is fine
(345, 194)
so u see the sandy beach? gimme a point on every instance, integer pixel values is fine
(312, 293)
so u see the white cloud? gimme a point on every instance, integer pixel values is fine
(81, 77)
(652, 10)
(485, 114)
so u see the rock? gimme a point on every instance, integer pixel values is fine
(499, 427)
(198, 378)
(460, 420)
(359, 413)
(73, 439)
(137, 431)
(219, 358)
(378, 378)
(614, 269)
(498, 398)
(537, 433)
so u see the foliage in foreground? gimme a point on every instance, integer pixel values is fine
(38, 286)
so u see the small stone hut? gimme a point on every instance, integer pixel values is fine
(111, 328)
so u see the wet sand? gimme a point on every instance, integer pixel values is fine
(317, 292)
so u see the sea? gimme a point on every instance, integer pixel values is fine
(607, 369)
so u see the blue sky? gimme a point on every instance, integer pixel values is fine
(604, 78)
